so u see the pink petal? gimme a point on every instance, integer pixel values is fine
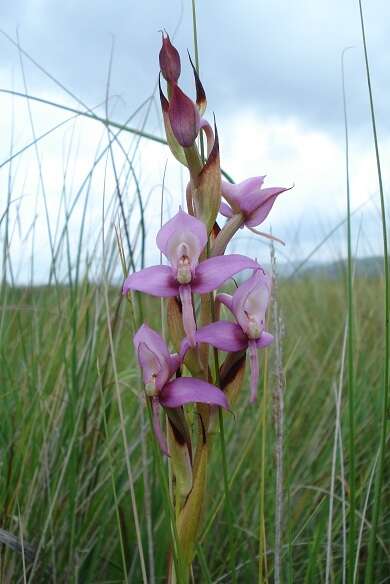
(153, 356)
(211, 273)
(224, 335)
(157, 426)
(258, 204)
(233, 192)
(175, 361)
(254, 366)
(182, 232)
(265, 340)
(189, 323)
(225, 210)
(185, 390)
(225, 299)
(185, 345)
(251, 299)
(152, 339)
(156, 280)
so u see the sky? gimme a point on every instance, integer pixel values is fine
(271, 71)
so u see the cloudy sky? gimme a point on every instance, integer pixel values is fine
(271, 71)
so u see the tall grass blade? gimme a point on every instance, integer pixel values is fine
(350, 344)
(370, 567)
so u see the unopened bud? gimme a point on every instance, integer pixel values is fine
(169, 60)
(184, 118)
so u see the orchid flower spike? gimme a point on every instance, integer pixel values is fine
(248, 304)
(182, 240)
(158, 366)
(249, 199)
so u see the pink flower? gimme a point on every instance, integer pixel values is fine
(182, 240)
(249, 199)
(248, 304)
(158, 366)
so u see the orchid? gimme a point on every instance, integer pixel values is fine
(158, 366)
(249, 199)
(248, 304)
(193, 246)
(182, 240)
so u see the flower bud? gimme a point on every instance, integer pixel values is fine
(169, 60)
(184, 118)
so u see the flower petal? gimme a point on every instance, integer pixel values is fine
(254, 366)
(211, 273)
(156, 280)
(225, 210)
(185, 390)
(152, 339)
(265, 340)
(224, 335)
(251, 300)
(175, 362)
(225, 299)
(182, 233)
(157, 426)
(189, 323)
(258, 204)
(153, 357)
(235, 193)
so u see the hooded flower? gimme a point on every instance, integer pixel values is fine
(182, 240)
(248, 304)
(158, 366)
(249, 199)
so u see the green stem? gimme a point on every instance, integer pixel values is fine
(228, 498)
(196, 49)
(351, 382)
(369, 577)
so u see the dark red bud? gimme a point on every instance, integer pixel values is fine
(184, 118)
(169, 60)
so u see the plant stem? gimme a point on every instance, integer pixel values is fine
(262, 539)
(227, 497)
(279, 430)
(351, 383)
(369, 577)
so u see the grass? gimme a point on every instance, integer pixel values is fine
(83, 489)
(64, 461)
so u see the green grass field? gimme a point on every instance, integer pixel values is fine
(65, 483)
